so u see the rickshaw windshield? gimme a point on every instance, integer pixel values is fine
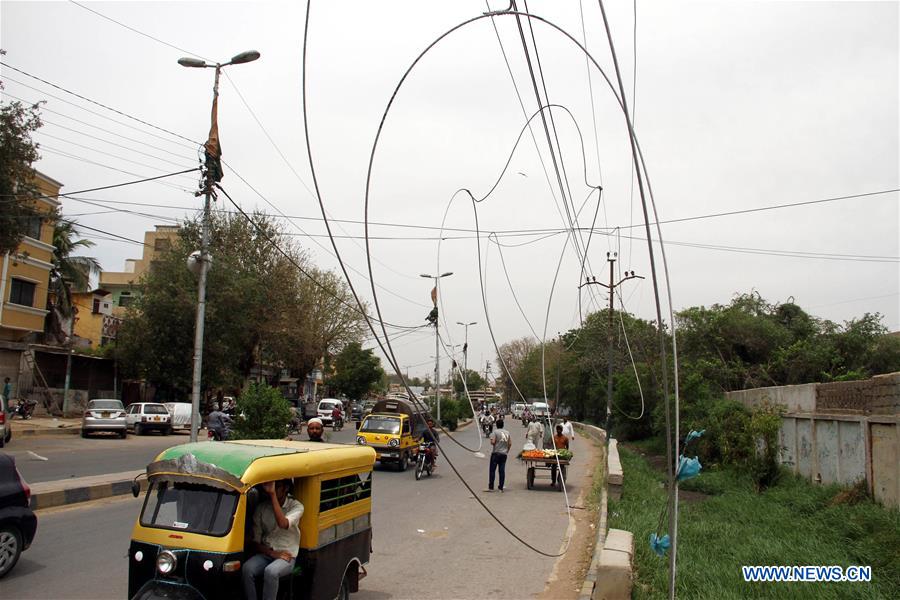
(189, 507)
(381, 425)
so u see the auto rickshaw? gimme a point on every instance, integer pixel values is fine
(189, 540)
(393, 429)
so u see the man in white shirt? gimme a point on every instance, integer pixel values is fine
(568, 430)
(276, 539)
(535, 433)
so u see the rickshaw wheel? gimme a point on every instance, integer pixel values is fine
(344, 592)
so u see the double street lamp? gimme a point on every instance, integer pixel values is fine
(213, 174)
(437, 341)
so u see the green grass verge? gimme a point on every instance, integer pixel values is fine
(791, 523)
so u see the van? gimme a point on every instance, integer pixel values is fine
(540, 409)
(326, 405)
(181, 415)
(517, 409)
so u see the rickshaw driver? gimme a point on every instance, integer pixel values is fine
(276, 539)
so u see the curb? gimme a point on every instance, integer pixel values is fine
(48, 431)
(65, 492)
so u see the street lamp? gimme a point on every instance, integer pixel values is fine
(466, 350)
(437, 342)
(212, 174)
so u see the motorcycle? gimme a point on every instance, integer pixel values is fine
(425, 460)
(337, 423)
(24, 409)
(219, 435)
(486, 427)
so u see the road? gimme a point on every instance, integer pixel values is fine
(71, 456)
(430, 537)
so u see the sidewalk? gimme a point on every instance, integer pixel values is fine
(45, 426)
(83, 489)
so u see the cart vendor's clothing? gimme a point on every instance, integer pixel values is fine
(561, 441)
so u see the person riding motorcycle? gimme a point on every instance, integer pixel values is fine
(337, 418)
(487, 422)
(431, 436)
(218, 423)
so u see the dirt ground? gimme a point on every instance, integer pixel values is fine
(569, 571)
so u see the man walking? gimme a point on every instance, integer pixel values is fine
(500, 441)
(535, 433)
(567, 429)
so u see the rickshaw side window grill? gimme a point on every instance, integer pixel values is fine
(344, 490)
(189, 507)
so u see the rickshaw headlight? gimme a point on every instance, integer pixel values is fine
(361, 440)
(166, 562)
(394, 443)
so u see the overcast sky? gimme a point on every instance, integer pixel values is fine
(738, 105)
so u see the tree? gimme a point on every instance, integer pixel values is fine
(356, 371)
(69, 274)
(474, 381)
(17, 153)
(263, 413)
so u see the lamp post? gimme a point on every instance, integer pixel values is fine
(466, 350)
(201, 263)
(437, 342)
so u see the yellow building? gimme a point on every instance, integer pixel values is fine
(122, 285)
(95, 324)
(25, 274)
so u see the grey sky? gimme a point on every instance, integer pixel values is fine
(739, 105)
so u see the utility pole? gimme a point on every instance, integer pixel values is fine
(611, 259)
(437, 340)
(212, 174)
(466, 351)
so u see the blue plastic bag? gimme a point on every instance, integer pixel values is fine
(688, 468)
(693, 435)
(659, 545)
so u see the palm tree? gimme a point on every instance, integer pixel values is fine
(70, 273)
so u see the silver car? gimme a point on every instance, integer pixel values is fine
(103, 415)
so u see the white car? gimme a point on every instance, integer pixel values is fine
(326, 405)
(181, 415)
(148, 416)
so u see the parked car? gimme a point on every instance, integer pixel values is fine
(17, 522)
(104, 415)
(181, 415)
(326, 405)
(148, 416)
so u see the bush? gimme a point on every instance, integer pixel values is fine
(263, 413)
(765, 423)
(450, 412)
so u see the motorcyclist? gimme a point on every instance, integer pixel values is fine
(218, 422)
(487, 422)
(337, 417)
(432, 436)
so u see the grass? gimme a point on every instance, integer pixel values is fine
(791, 523)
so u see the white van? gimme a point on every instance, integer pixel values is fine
(517, 409)
(181, 415)
(326, 405)
(540, 409)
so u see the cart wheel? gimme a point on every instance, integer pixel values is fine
(530, 477)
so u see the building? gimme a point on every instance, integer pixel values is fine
(25, 274)
(123, 285)
(95, 324)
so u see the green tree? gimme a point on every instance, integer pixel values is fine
(356, 371)
(17, 153)
(263, 413)
(68, 274)
(474, 381)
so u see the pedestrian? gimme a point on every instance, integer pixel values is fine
(500, 442)
(7, 389)
(535, 433)
(567, 429)
(315, 429)
(561, 442)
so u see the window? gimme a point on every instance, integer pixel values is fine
(189, 507)
(161, 244)
(155, 409)
(96, 307)
(344, 490)
(381, 424)
(22, 292)
(125, 299)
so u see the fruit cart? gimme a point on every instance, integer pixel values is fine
(546, 460)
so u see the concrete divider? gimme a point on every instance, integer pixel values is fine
(609, 576)
(82, 489)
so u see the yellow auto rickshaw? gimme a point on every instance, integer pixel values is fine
(393, 429)
(196, 521)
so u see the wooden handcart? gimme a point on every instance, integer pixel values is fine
(533, 465)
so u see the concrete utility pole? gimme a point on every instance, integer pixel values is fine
(437, 342)
(611, 259)
(211, 176)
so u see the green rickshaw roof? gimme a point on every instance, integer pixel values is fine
(231, 458)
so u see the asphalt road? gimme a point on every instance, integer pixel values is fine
(431, 538)
(71, 456)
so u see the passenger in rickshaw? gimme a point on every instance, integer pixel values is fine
(276, 539)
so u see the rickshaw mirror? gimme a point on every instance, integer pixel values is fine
(135, 489)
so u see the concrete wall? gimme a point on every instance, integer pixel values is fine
(841, 432)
